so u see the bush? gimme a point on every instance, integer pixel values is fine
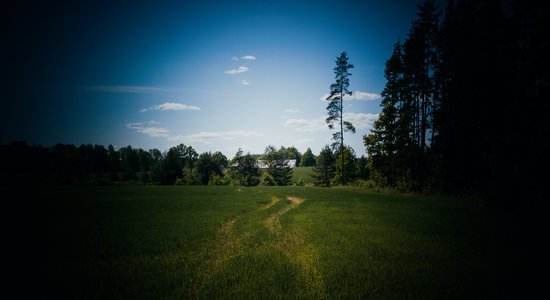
(101, 181)
(405, 184)
(142, 177)
(219, 180)
(267, 180)
(336, 181)
(190, 176)
(367, 184)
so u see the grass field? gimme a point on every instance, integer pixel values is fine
(304, 173)
(153, 242)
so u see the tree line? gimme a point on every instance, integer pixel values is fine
(463, 111)
(464, 103)
(181, 165)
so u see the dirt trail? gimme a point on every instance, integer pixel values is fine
(221, 253)
(296, 200)
(292, 245)
(228, 245)
(272, 222)
(274, 201)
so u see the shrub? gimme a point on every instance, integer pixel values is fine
(101, 181)
(367, 184)
(219, 180)
(406, 184)
(142, 177)
(179, 181)
(267, 180)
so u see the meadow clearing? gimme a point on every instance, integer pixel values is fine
(168, 242)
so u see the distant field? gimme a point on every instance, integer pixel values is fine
(302, 172)
(211, 242)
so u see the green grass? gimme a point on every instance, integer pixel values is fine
(151, 242)
(302, 172)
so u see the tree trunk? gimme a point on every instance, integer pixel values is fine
(342, 132)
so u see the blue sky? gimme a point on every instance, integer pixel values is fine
(214, 75)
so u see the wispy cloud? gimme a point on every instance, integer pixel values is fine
(357, 95)
(147, 128)
(304, 125)
(128, 89)
(209, 137)
(359, 120)
(171, 106)
(291, 111)
(244, 82)
(235, 58)
(241, 69)
(249, 57)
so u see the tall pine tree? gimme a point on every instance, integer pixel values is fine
(335, 108)
(389, 138)
(400, 143)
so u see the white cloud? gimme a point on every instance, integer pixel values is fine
(357, 95)
(147, 129)
(244, 82)
(249, 57)
(359, 120)
(304, 125)
(209, 137)
(291, 111)
(171, 106)
(241, 69)
(235, 58)
(175, 106)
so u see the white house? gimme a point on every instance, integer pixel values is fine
(262, 164)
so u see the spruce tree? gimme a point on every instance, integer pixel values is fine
(308, 159)
(277, 165)
(325, 167)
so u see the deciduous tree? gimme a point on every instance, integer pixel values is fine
(243, 170)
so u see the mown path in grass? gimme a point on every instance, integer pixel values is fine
(291, 244)
(261, 243)
(231, 243)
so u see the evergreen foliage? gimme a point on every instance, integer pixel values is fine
(335, 108)
(277, 165)
(349, 163)
(243, 170)
(454, 88)
(324, 170)
(308, 159)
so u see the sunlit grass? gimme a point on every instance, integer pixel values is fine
(216, 242)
